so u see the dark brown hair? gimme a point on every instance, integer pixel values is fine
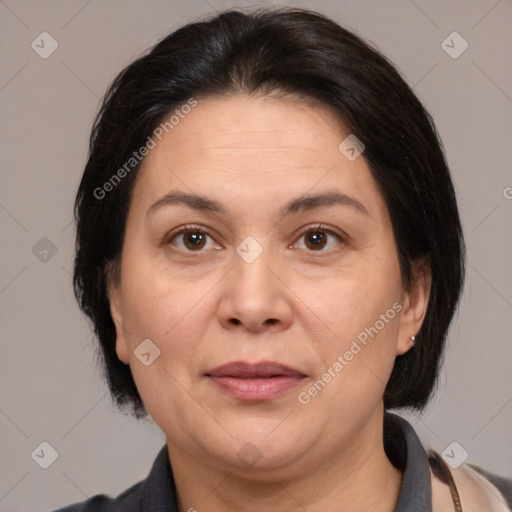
(307, 55)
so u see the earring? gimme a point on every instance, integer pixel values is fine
(413, 341)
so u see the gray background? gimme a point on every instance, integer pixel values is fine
(51, 386)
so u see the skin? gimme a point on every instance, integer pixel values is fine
(296, 304)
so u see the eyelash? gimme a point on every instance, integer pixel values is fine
(308, 229)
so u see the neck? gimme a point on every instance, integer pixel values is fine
(356, 477)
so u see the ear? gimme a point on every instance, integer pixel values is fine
(114, 294)
(415, 302)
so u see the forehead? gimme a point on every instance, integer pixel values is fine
(252, 148)
(247, 124)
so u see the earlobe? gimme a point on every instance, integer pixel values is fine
(414, 306)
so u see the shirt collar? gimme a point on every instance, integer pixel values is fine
(403, 445)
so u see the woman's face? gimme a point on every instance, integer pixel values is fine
(267, 272)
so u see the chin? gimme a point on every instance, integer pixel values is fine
(260, 451)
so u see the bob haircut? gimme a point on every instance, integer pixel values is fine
(276, 52)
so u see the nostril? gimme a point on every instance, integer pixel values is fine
(270, 321)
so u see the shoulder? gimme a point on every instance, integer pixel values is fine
(477, 489)
(154, 494)
(129, 501)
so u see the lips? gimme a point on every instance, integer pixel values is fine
(255, 382)
(263, 370)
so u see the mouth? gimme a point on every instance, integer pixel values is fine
(255, 381)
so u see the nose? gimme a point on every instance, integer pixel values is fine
(255, 296)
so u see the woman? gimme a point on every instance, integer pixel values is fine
(270, 251)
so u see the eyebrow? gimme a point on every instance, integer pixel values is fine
(300, 204)
(311, 202)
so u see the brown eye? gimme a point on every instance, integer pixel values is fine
(319, 239)
(194, 240)
(315, 240)
(190, 239)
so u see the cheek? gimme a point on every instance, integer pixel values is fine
(172, 315)
(362, 303)
(173, 319)
(156, 300)
(355, 369)
(361, 313)
(364, 349)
